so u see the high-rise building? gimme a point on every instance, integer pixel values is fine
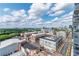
(76, 30)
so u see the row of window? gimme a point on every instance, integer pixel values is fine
(47, 43)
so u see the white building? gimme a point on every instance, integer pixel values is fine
(9, 46)
(51, 43)
(46, 30)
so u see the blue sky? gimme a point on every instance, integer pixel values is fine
(14, 6)
(26, 15)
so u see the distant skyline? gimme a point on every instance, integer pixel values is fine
(35, 15)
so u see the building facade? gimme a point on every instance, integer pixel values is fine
(51, 43)
(76, 30)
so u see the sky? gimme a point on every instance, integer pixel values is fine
(35, 15)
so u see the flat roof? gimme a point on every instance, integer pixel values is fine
(9, 42)
(52, 38)
(30, 46)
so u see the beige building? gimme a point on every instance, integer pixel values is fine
(35, 37)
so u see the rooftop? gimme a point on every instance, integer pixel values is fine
(30, 46)
(52, 38)
(8, 42)
(39, 35)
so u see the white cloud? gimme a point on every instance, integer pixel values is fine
(37, 21)
(34, 16)
(48, 22)
(68, 15)
(62, 21)
(14, 18)
(58, 9)
(19, 16)
(8, 18)
(55, 19)
(60, 6)
(18, 12)
(57, 13)
(65, 20)
(6, 9)
(37, 9)
(12, 21)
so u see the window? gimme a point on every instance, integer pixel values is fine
(76, 36)
(15, 51)
(45, 41)
(75, 27)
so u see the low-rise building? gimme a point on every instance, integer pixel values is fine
(26, 34)
(62, 33)
(12, 46)
(9, 46)
(35, 37)
(46, 30)
(51, 43)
